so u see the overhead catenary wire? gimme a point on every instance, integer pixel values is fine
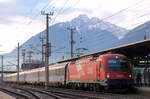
(118, 12)
(57, 14)
(102, 36)
(30, 11)
(38, 14)
(122, 10)
(116, 30)
(77, 1)
(62, 9)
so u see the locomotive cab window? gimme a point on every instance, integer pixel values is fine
(117, 64)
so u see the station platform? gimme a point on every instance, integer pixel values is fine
(5, 96)
(144, 90)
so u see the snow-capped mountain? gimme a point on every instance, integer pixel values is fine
(137, 34)
(96, 23)
(90, 33)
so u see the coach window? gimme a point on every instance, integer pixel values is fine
(101, 65)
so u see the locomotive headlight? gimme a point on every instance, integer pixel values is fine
(130, 76)
(107, 75)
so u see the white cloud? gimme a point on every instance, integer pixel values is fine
(18, 31)
(5, 1)
(126, 19)
(11, 34)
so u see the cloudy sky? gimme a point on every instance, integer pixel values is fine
(21, 19)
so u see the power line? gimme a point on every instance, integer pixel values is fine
(124, 9)
(60, 10)
(63, 10)
(120, 10)
(72, 5)
(46, 5)
(116, 30)
(113, 40)
(27, 14)
(102, 36)
(59, 49)
(34, 17)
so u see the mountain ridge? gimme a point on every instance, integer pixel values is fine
(91, 33)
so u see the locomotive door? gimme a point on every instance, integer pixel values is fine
(98, 70)
(101, 71)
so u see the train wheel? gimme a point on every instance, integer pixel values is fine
(99, 87)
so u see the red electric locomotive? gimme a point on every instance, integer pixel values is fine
(105, 71)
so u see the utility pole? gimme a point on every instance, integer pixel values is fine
(63, 57)
(30, 56)
(71, 40)
(145, 36)
(42, 45)
(23, 55)
(18, 62)
(2, 70)
(47, 48)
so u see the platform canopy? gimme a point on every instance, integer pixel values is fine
(135, 49)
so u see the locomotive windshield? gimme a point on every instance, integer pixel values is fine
(117, 64)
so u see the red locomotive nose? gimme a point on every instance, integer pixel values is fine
(118, 68)
(118, 71)
(119, 75)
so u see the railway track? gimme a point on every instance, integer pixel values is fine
(14, 94)
(79, 94)
(26, 93)
(98, 95)
(30, 93)
(63, 93)
(39, 94)
(56, 95)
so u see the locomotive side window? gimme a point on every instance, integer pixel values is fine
(117, 64)
(101, 65)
